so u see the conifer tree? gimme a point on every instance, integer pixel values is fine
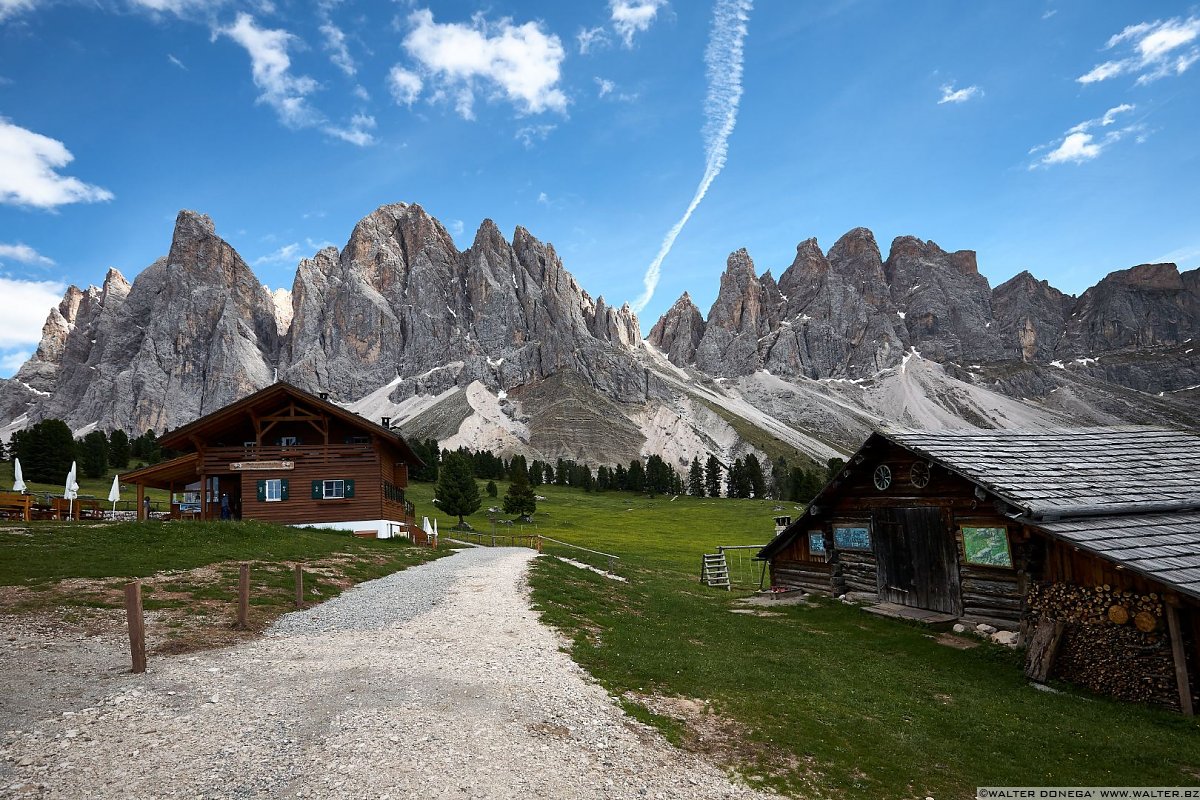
(93, 454)
(118, 449)
(712, 477)
(457, 493)
(519, 498)
(696, 478)
(755, 477)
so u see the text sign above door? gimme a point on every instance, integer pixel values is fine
(252, 466)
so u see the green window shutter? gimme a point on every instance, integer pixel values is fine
(262, 491)
(318, 490)
(349, 487)
(283, 488)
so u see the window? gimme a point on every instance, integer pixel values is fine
(288, 441)
(358, 440)
(333, 490)
(847, 538)
(987, 547)
(273, 489)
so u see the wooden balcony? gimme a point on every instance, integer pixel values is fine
(220, 459)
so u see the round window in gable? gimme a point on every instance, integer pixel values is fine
(883, 477)
(920, 474)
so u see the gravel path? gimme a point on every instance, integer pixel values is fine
(437, 682)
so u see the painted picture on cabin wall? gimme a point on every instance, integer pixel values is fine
(852, 538)
(816, 543)
(986, 546)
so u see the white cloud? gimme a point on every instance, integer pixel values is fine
(952, 95)
(316, 246)
(285, 254)
(543, 199)
(29, 164)
(26, 304)
(1078, 145)
(405, 85)
(271, 70)
(531, 134)
(11, 8)
(521, 63)
(335, 44)
(25, 254)
(457, 227)
(1049, 13)
(630, 17)
(12, 360)
(591, 38)
(356, 133)
(606, 86)
(723, 60)
(177, 7)
(171, 57)
(1153, 50)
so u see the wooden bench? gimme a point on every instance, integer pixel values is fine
(16, 506)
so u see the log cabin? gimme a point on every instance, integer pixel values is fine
(287, 456)
(1086, 541)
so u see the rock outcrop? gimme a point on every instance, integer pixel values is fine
(1146, 306)
(195, 331)
(1030, 315)
(678, 332)
(401, 300)
(498, 344)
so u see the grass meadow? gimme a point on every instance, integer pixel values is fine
(821, 700)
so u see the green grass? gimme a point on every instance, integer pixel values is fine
(59, 566)
(825, 700)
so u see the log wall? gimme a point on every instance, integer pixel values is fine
(811, 576)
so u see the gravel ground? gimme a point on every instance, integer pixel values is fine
(437, 682)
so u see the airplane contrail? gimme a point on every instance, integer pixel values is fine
(723, 65)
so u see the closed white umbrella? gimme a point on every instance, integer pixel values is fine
(18, 479)
(425, 526)
(114, 494)
(71, 491)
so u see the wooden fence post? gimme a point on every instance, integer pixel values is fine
(299, 586)
(137, 625)
(243, 596)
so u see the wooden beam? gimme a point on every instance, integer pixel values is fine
(1043, 649)
(141, 495)
(1180, 658)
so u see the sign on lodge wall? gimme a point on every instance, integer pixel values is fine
(253, 466)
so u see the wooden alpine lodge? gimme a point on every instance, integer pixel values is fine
(287, 456)
(1086, 541)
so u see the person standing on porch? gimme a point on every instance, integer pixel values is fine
(226, 514)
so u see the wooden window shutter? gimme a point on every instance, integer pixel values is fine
(318, 490)
(348, 487)
(262, 491)
(283, 488)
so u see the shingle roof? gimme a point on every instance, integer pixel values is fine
(1165, 547)
(1071, 471)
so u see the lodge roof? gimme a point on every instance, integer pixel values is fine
(1129, 494)
(180, 438)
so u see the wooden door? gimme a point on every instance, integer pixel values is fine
(917, 558)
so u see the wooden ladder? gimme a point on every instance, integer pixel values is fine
(714, 570)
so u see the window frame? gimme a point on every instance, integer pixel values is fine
(340, 486)
(278, 484)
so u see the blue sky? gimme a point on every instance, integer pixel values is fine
(1054, 136)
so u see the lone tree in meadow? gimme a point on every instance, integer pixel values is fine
(457, 493)
(519, 499)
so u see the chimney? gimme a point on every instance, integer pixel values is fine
(386, 422)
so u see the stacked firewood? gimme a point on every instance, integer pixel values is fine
(1115, 642)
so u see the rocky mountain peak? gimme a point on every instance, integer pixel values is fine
(679, 331)
(1152, 277)
(1030, 315)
